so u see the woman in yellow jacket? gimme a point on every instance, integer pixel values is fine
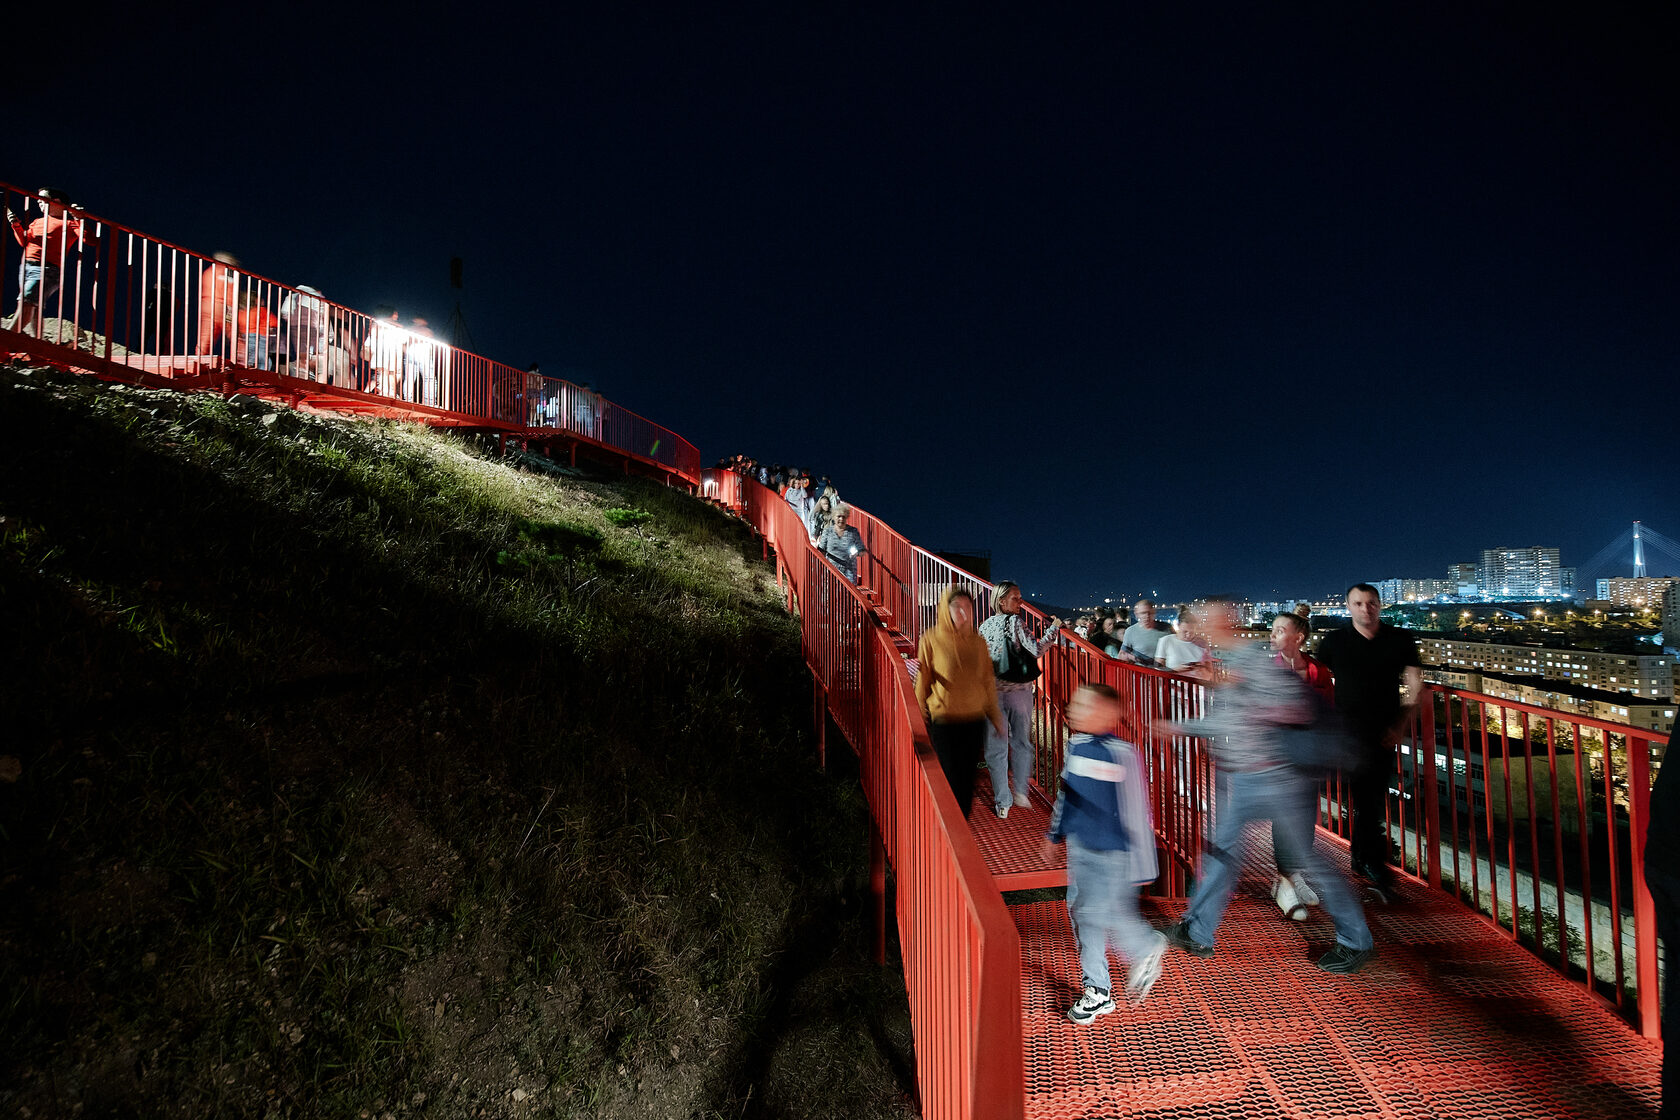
(957, 691)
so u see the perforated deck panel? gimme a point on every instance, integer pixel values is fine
(1013, 847)
(1449, 1021)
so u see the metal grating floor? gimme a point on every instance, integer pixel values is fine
(1449, 1021)
(1013, 847)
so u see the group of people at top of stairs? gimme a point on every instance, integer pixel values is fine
(975, 686)
(827, 519)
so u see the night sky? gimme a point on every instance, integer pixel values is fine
(1180, 298)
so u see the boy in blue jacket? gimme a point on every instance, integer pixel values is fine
(1102, 812)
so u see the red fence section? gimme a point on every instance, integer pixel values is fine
(107, 297)
(962, 955)
(1541, 827)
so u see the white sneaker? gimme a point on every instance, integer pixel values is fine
(1022, 801)
(1284, 892)
(1002, 812)
(1304, 893)
(1093, 1003)
(1145, 971)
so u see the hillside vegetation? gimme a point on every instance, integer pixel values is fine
(351, 771)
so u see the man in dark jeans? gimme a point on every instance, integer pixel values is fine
(1370, 660)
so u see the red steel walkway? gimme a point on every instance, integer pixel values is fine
(1451, 1019)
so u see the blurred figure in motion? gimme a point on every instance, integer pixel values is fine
(1009, 758)
(302, 348)
(1102, 813)
(1253, 698)
(842, 544)
(48, 242)
(1290, 888)
(819, 517)
(255, 325)
(1371, 660)
(955, 689)
(218, 303)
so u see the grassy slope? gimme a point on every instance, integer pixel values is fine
(361, 774)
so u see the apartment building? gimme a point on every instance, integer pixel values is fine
(1635, 592)
(1648, 676)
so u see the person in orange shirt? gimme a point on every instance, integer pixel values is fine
(47, 243)
(218, 287)
(255, 324)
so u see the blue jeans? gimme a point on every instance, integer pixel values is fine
(1275, 795)
(256, 351)
(1104, 910)
(1010, 761)
(39, 282)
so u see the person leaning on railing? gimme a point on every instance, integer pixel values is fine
(842, 544)
(956, 691)
(46, 243)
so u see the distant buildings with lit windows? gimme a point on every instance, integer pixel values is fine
(1522, 573)
(1647, 676)
(1581, 701)
(1636, 592)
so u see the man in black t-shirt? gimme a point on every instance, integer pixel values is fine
(1370, 660)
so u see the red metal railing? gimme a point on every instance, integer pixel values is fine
(143, 309)
(962, 955)
(1557, 864)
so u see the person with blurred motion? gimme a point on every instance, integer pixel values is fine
(842, 544)
(1103, 636)
(818, 519)
(48, 244)
(302, 345)
(1251, 701)
(1009, 758)
(799, 497)
(956, 691)
(1290, 889)
(218, 303)
(1142, 638)
(1102, 814)
(1371, 660)
(1179, 652)
(534, 396)
(255, 326)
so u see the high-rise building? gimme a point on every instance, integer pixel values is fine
(1426, 590)
(1520, 573)
(1463, 578)
(1644, 591)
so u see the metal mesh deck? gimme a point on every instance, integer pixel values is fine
(1449, 1021)
(1013, 847)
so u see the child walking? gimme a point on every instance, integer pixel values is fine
(1102, 812)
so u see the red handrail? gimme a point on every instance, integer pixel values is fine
(133, 306)
(962, 954)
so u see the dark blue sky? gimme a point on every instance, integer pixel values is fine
(1179, 297)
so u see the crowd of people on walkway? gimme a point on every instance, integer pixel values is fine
(1275, 720)
(813, 497)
